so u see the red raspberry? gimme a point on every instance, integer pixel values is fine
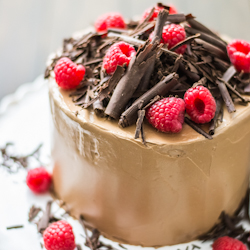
(200, 104)
(172, 10)
(167, 115)
(68, 74)
(227, 243)
(38, 180)
(173, 34)
(109, 20)
(118, 54)
(239, 54)
(59, 236)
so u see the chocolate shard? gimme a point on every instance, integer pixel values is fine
(157, 35)
(130, 115)
(226, 96)
(176, 18)
(208, 38)
(219, 105)
(198, 26)
(126, 87)
(44, 221)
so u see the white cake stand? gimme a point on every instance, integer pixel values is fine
(25, 121)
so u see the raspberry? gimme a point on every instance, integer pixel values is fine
(172, 10)
(167, 115)
(227, 243)
(59, 236)
(118, 54)
(173, 34)
(200, 104)
(38, 180)
(68, 75)
(109, 20)
(239, 54)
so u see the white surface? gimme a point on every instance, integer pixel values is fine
(24, 120)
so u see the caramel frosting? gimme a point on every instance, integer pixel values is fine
(166, 192)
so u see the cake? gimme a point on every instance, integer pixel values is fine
(171, 187)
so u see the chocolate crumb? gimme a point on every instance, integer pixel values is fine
(14, 227)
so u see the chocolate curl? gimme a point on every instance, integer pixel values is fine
(126, 87)
(208, 38)
(226, 97)
(157, 35)
(130, 115)
(219, 106)
(198, 26)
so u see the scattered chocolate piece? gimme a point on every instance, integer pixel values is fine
(14, 227)
(33, 212)
(13, 162)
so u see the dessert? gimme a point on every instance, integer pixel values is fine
(168, 188)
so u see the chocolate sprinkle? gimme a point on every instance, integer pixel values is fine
(14, 227)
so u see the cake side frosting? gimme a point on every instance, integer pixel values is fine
(167, 192)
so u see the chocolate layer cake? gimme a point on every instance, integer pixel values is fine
(163, 189)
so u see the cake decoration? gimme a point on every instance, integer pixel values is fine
(239, 54)
(204, 62)
(68, 75)
(228, 243)
(200, 104)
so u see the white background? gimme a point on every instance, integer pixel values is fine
(31, 29)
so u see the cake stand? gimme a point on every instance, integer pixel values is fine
(25, 121)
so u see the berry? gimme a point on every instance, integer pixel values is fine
(227, 243)
(68, 75)
(200, 104)
(118, 54)
(167, 114)
(59, 236)
(109, 20)
(172, 10)
(239, 54)
(38, 180)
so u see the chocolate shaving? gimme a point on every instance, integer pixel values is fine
(93, 242)
(214, 121)
(198, 26)
(210, 39)
(34, 211)
(129, 116)
(130, 81)
(14, 227)
(43, 223)
(185, 41)
(13, 162)
(197, 128)
(226, 97)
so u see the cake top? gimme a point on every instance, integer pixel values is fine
(166, 67)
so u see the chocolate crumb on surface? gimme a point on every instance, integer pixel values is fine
(14, 227)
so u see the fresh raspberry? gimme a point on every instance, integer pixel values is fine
(167, 114)
(173, 34)
(38, 180)
(59, 236)
(172, 10)
(68, 74)
(109, 20)
(239, 54)
(227, 243)
(200, 104)
(118, 54)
